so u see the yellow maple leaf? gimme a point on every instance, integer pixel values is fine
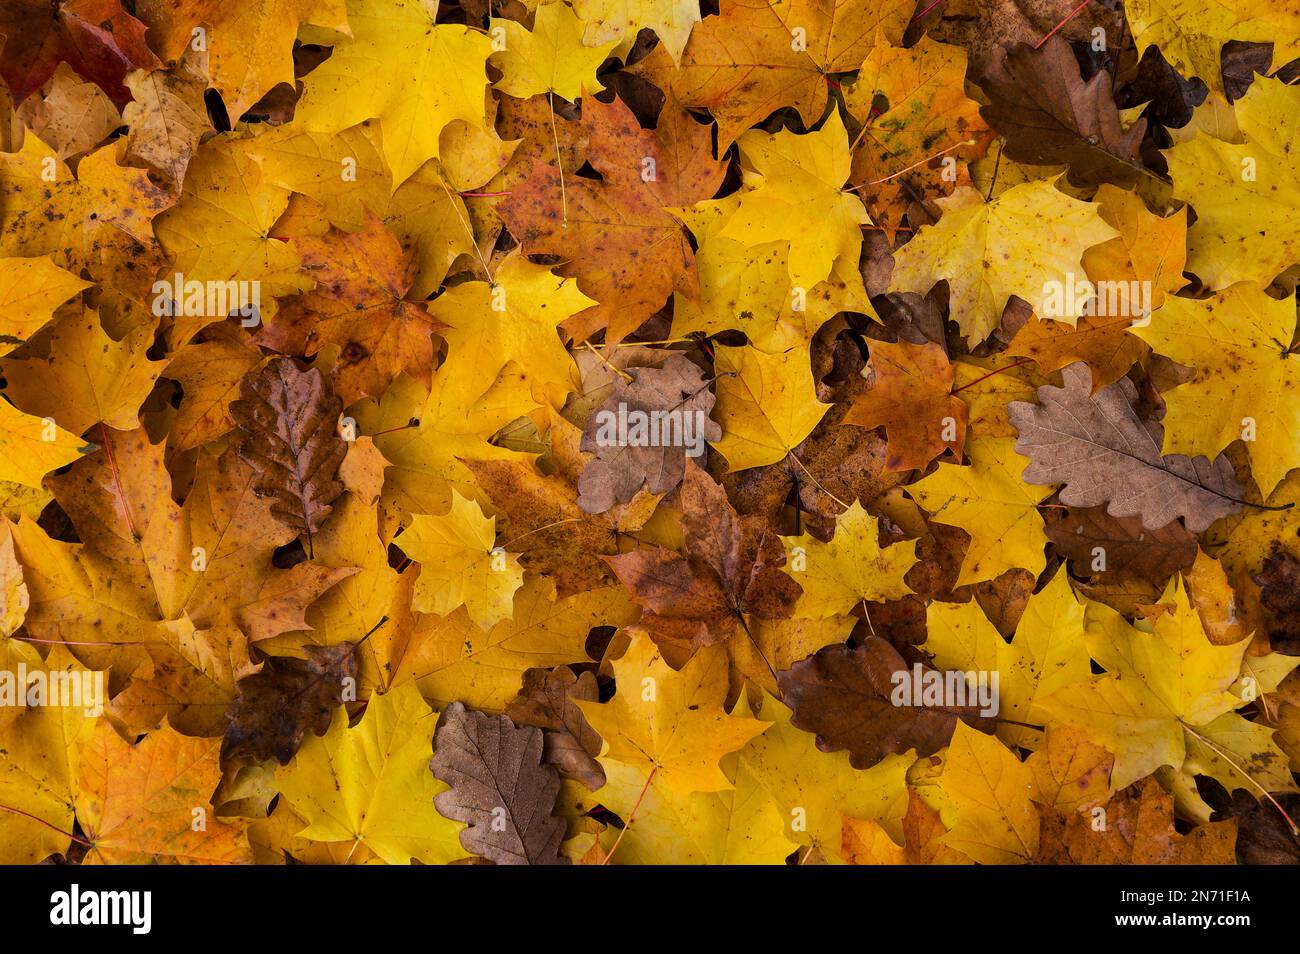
(513, 318)
(420, 75)
(671, 724)
(747, 287)
(453, 659)
(370, 785)
(550, 58)
(621, 20)
(460, 564)
(346, 179)
(1246, 195)
(990, 502)
(767, 404)
(31, 289)
(793, 191)
(1046, 654)
(1166, 700)
(667, 824)
(1149, 247)
(450, 426)
(87, 378)
(817, 790)
(1191, 33)
(1029, 236)
(986, 792)
(851, 569)
(1247, 381)
(101, 219)
(38, 776)
(221, 232)
(31, 447)
(742, 826)
(14, 598)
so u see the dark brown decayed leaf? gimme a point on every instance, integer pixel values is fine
(500, 787)
(1172, 98)
(547, 702)
(1130, 549)
(844, 694)
(1263, 836)
(289, 421)
(621, 469)
(1096, 446)
(275, 707)
(1279, 581)
(1139, 831)
(1049, 115)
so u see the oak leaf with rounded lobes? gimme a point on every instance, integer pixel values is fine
(500, 787)
(632, 451)
(1102, 452)
(845, 696)
(289, 422)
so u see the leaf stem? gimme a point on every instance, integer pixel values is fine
(631, 815)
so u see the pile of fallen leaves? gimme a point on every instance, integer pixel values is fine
(977, 320)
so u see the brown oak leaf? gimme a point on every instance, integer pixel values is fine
(1129, 549)
(500, 787)
(289, 422)
(547, 702)
(676, 400)
(1096, 446)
